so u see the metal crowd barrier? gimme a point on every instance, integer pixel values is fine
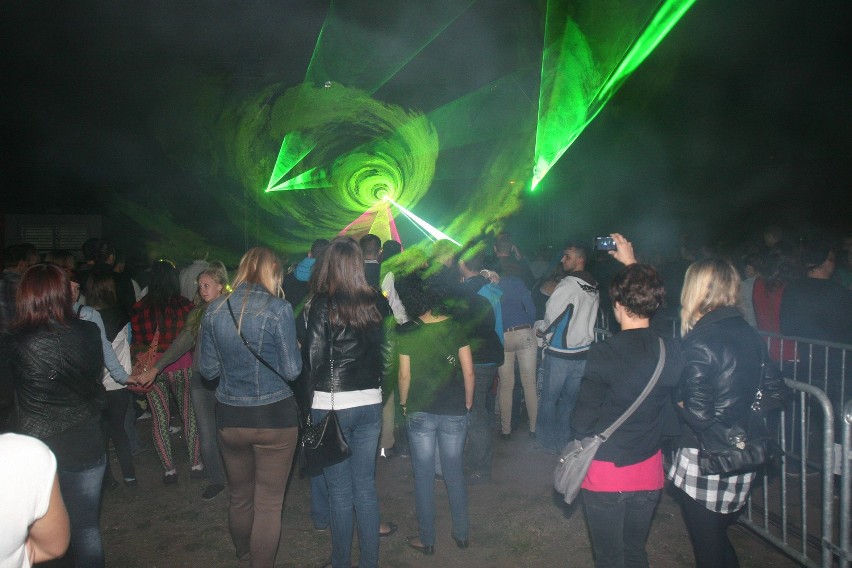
(797, 502)
(846, 488)
(824, 364)
(804, 508)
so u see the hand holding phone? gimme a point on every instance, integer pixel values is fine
(623, 250)
(605, 243)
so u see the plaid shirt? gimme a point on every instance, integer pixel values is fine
(720, 494)
(144, 321)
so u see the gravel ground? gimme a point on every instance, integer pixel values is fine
(516, 521)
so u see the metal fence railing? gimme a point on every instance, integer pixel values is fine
(846, 488)
(796, 506)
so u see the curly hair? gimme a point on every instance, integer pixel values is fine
(639, 288)
(420, 294)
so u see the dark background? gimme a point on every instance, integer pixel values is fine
(740, 118)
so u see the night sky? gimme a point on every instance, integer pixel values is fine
(740, 118)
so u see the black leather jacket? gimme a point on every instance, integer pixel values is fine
(723, 357)
(359, 355)
(57, 376)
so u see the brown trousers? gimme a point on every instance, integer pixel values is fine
(258, 464)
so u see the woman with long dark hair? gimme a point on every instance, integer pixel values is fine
(212, 283)
(163, 312)
(248, 342)
(55, 361)
(723, 358)
(344, 353)
(100, 294)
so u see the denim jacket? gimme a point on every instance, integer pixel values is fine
(268, 326)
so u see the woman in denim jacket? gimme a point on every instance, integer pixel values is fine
(256, 415)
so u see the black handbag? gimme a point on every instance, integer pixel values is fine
(324, 444)
(729, 450)
(739, 448)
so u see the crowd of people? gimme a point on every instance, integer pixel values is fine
(416, 351)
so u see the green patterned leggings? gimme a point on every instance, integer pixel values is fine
(158, 400)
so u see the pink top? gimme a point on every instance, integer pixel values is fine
(606, 477)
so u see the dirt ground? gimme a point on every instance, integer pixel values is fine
(516, 521)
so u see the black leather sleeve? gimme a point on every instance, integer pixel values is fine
(697, 387)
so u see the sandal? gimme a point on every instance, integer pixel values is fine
(426, 549)
(392, 528)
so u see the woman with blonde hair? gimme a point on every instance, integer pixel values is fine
(248, 342)
(723, 358)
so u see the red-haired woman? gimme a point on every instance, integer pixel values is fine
(55, 362)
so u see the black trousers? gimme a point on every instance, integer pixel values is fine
(117, 404)
(708, 532)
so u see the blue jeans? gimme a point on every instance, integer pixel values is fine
(319, 502)
(81, 491)
(204, 403)
(558, 394)
(352, 483)
(447, 433)
(619, 524)
(479, 448)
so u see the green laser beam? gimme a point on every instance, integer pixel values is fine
(589, 52)
(294, 147)
(355, 50)
(314, 178)
(423, 225)
(484, 114)
(425, 44)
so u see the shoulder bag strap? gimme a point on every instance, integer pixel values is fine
(331, 361)
(249, 347)
(647, 390)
